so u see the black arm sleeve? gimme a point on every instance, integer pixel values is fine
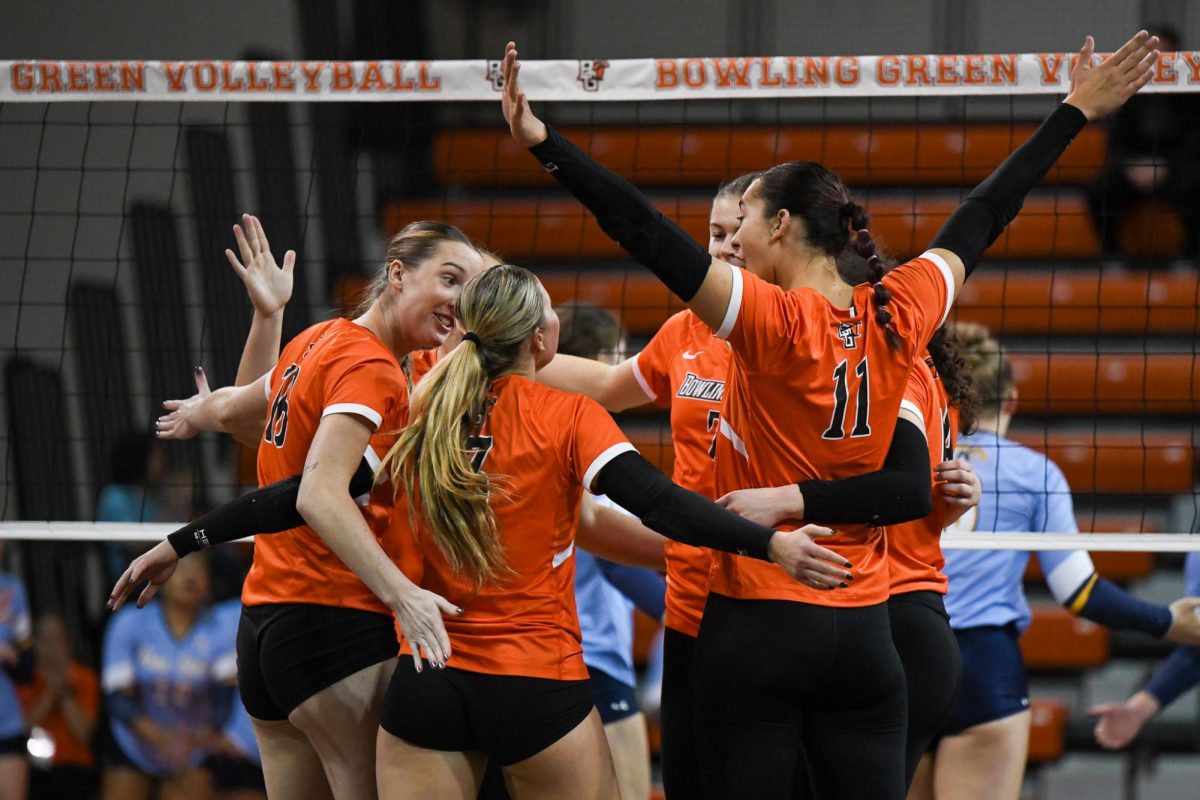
(994, 203)
(633, 483)
(627, 216)
(898, 492)
(270, 509)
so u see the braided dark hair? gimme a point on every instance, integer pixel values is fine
(818, 196)
(950, 359)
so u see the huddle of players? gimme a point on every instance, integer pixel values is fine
(800, 370)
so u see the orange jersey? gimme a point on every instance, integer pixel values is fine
(814, 391)
(334, 367)
(422, 361)
(915, 558)
(684, 367)
(544, 447)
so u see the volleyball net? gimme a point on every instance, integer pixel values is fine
(120, 181)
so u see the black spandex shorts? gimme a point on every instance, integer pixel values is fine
(790, 693)
(994, 685)
(507, 717)
(614, 700)
(287, 652)
(234, 774)
(680, 766)
(13, 745)
(932, 668)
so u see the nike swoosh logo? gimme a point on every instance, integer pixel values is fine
(688, 355)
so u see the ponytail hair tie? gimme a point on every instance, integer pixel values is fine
(470, 336)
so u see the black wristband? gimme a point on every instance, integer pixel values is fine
(627, 216)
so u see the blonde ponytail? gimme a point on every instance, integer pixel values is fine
(500, 308)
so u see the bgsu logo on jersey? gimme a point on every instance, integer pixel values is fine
(849, 332)
(591, 73)
(495, 75)
(696, 388)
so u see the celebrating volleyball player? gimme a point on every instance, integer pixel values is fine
(317, 640)
(494, 466)
(982, 754)
(819, 371)
(916, 610)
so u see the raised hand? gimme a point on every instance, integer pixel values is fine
(175, 423)
(526, 128)
(269, 286)
(1100, 89)
(156, 565)
(806, 561)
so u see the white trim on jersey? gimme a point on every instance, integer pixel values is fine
(736, 440)
(267, 383)
(589, 475)
(735, 304)
(374, 462)
(947, 276)
(560, 557)
(354, 408)
(1071, 573)
(910, 406)
(641, 379)
(118, 677)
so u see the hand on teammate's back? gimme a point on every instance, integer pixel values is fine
(526, 128)
(1185, 621)
(1099, 89)
(808, 562)
(419, 615)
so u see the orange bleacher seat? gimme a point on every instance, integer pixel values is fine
(558, 228)
(1107, 461)
(1082, 303)
(884, 154)
(1130, 462)
(1047, 730)
(1109, 383)
(1057, 640)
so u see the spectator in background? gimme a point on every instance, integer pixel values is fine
(16, 666)
(164, 699)
(234, 762)
(1120, 723)
(63, 701)
(1153, 154)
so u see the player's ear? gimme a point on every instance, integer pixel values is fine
(781, 224)
(537, 341)
(396, 274)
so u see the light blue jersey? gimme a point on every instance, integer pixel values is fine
(1022, 491)
(174, 681)
(238, 728)
(16, 631)
(605, 620)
